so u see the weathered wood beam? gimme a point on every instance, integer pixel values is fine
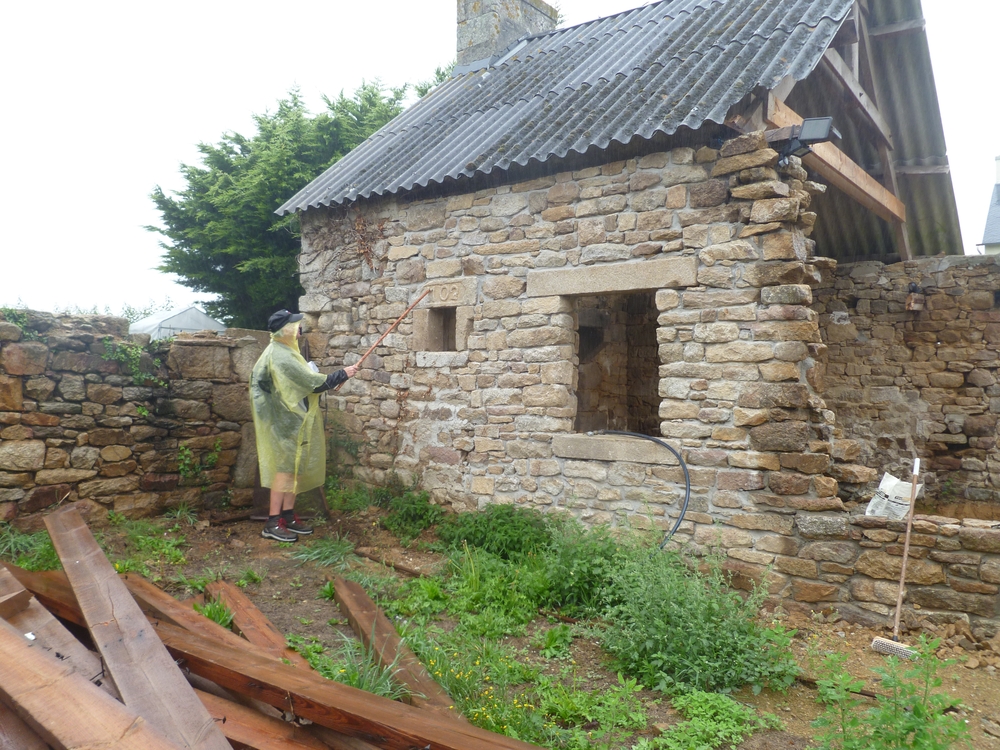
(840, 171)
(847, 34)
(149, 681)
(376, 631)
(869, 76)
(247, 728)
(16, 735)
(63, 707)
(253, 624)
(52, 637)
(387, 724)
(752, 117)
(13, 602)
(857, 95)
(895, 29)
(932, 169)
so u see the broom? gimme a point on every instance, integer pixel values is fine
(884, 645)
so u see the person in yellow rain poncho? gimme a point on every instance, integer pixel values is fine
(291, 448)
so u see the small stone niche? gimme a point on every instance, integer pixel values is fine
(436, 329)
(618, 363)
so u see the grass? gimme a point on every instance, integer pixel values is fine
(216, 611)
(351, 663)
(326, 552)
(28, 551)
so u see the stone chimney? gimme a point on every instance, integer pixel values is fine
(487, 27)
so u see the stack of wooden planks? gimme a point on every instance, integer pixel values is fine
(148, 672)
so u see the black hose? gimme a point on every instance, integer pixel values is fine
(687, 477)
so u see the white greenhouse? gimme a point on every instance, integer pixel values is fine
(168, 323)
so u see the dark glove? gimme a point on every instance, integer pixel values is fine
(332, 381)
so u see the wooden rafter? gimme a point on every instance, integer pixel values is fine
(894, 29)
(839, 170)
(857, 95)
(868, 76)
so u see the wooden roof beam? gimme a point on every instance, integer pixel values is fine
(857, 94)
(839, 170)
(894, 29)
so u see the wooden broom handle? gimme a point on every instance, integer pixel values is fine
(391, 329)
(906, 549)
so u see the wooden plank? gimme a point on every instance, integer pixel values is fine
(253, 624)
(840, 171)
(13, 602)
(248, 728)
(353, 712)
(147, 678)
(16, 735)
(894, 29)
(377, 632)
(52, 637)
(157, 602)
(857, 95)
(53, 590)
(918, 170)
(62, 707)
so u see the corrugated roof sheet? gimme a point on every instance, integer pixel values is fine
(992, 234)
(650, 70)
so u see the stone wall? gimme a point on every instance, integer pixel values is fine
(75, 426)
(543, 281)
(921, 382)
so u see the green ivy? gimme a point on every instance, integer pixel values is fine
(129, 356)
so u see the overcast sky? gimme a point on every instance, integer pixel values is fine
(104, 101)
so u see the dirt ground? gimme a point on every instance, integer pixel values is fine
(288, 596)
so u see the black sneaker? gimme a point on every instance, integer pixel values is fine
(276, 530)
(296, 526)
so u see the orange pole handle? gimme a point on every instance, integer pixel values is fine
(391, 329)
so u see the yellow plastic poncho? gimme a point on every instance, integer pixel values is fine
(286, 416)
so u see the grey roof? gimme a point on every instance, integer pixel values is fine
(992, 234)
(655, 69)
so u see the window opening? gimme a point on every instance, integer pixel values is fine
(441, 329)
(618, 385)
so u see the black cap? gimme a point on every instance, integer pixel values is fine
(281, 319)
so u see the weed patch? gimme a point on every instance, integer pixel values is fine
(506, 531)
(352, 663)
(712, 720)
(911, 715)
(327, 552)
(411, 514)
(28, 551)
(216, 611)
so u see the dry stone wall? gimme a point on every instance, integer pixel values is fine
(917, 382)
(77, 427)
(486, 394)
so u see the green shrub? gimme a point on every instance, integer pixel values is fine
(410, 514)
(712, 721)
(910, 715)
(491, 596)
(507, 531)
(577, 567)
(678, 629)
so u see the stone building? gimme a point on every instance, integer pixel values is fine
(618, 237)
